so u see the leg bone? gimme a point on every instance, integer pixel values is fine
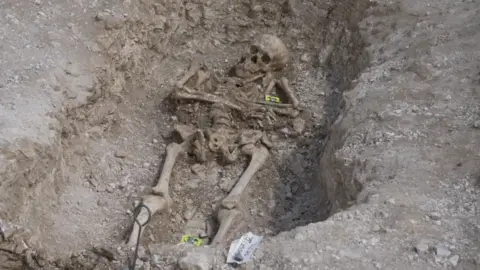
(154, 204)
(173, 151)
(227, 218)
(259, 156)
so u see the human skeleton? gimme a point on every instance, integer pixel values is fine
(266, 55)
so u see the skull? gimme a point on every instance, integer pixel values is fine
(266, 53)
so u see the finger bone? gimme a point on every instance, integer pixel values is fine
(259, 157)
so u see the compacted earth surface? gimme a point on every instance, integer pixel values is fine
(377, 170)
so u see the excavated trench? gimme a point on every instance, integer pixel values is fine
(78, 192)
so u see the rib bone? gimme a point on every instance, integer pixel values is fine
(154, 204)
(227, 218)
(259, 156)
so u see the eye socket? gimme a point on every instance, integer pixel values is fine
(266, 58)
(254, 59)
(253, 49)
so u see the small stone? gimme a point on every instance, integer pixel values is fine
(146, 266)
(101, 188)
(102, 203)
(285, 131)
(305, 57)
(454, 260)
(476, 124)
(194, 261)
(442, 251)
(421, 248)
(155, 141)
(298, 125)
(121, 154)
(38, 2)
(146, 165)
(110, 188)
(199, 170)
(435, 216)
(390, 201)
(354, 254)
(226, 184)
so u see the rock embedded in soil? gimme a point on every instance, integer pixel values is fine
(421, 248)
(454, 260)
(194, 261)
(442, 251)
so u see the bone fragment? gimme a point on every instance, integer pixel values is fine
(273, 104)
(190, 73)
(229, 157)
(268, 79)
(259, 156)
(202, 76)
(253, 78)
(184, 131)
(154, 204)
(227, 218)
(289, 92)
(269, 87)
(206, 97)
(290, 112)
(266, 140)
(250, 136)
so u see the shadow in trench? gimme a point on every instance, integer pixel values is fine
(302, 195)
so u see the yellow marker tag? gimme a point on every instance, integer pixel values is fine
(191, 239)
(272, 98)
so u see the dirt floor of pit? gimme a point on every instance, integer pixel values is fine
(112, 133)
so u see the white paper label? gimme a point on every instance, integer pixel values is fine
(241, 250)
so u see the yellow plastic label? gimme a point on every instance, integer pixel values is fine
(191, 239)
(272, 98)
